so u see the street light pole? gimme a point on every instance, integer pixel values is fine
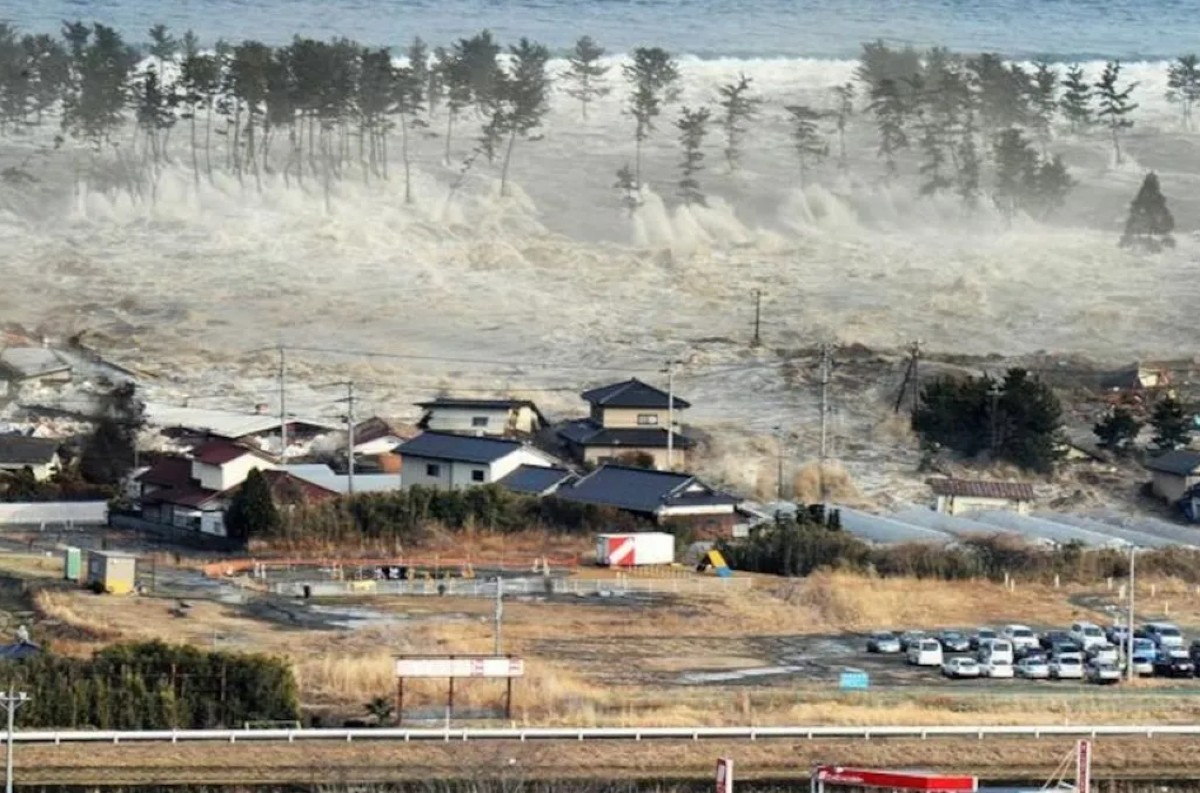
(670, 370)
(1129, 627)
(11, 701)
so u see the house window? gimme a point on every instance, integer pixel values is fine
(647, 419)
(477, 475)
(433, 469)
(479, 421)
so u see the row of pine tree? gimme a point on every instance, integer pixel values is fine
(316, 112)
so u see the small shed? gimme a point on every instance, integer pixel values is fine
(961, 496)
(114, 571)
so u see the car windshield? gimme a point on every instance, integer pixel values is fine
(885, 635)
(951, 635)
(929, 644)
(1168, 631)
(1179, 655)
(1069, 659)
(1022, 633)
(1092, 631)
(986, 633)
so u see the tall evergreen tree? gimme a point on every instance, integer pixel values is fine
(1076, 102)
(525, 97)
(110, 451)
(1150, 223)
(967, 176)
(1172, 426)
(653, 77)
(1118, 430)
(1043, 101)
(888, 105)
(1016, 164)
(844, 97)
(808, 143)
(739, 106)
(1114, 103)
(252, 512)
(411, 89)
(693, 127)
(1051, 184)
(1183, 85)
(585, 75)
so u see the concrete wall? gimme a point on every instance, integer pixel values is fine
(596, 455)
(961, 505)
(77, 512)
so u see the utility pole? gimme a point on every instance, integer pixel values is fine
(779, 463)
(670, 370)
(825, 366)
(1129, 628)
(350, 437)
(916, 374)
(499, 615)
(757, 340)
(283, 428)
(995, 392)
(12, 701)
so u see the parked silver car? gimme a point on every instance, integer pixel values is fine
(1033, 667)
(883, 642)
(1103, 672)
(1066, 666)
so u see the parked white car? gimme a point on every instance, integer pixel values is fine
(1022, 637)
(1067, 666)
(995, 649)
(925, 652)
(1087, 634)
(998, 668)
(1103, 672)
(1033, 667)
(1143, 664)
(1165, 635)
(1106, 653)
(960, 667)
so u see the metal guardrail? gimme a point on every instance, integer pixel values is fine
(532, 585)
(601, 734)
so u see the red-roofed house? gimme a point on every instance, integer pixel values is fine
(220, 465)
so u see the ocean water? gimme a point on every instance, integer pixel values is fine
(1057, 29)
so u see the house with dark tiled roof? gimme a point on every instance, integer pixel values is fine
(449, 461)
(536, 480)
(491, 417)
(627, 421)
(960, 496)
(1174, 473)
(664, 497)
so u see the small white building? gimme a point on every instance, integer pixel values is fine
(220, 465)
(448, 461)
(960, 496)
(39, 455)
(1174, 473)
(490, 417)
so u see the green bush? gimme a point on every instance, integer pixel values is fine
(153, 685)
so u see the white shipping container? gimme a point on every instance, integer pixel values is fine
(629, 550)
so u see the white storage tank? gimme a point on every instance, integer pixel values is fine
(630, 550)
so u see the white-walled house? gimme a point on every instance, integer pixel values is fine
(39, 455)
(448, 461)
(220, 465)
(491, 417)
(1174, 473)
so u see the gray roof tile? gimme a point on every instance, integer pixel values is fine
(640, 489)
(632, 393)
(535, 480)
(1179, 462)
(464, 448)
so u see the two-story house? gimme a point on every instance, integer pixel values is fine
(449, 462)
(193, 493)
(627, 420)
(494, 417)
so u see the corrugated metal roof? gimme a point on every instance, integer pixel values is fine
(225, 424)
(1179, 462)
(323, 476)
(462, 448)
(535, 480)
(632, 393)
(972, 488)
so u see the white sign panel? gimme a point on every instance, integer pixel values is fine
(460, 667)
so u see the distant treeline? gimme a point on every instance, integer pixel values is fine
(153, 686)
(315, 112)
(798, 547)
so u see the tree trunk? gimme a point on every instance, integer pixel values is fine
(512, 140)
(1116, 143)
(449, 131)
(637, 162)
(208, 140)
(195, 154)
(408, 198)
(235, 144)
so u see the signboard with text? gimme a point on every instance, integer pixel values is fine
(460, 667)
